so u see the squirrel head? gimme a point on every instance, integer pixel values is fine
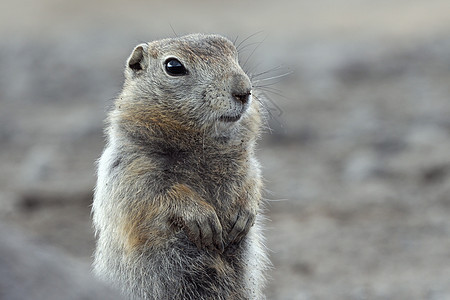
(194, 81)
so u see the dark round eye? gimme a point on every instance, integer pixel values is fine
(174, 67)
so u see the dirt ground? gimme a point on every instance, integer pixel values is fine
(356, 164)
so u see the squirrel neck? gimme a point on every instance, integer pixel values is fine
(153, 131)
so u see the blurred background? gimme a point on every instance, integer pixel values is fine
(357, 164)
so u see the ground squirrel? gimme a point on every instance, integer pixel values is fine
(177, 204)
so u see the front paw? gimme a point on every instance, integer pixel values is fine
(204, 230)
(241, 222)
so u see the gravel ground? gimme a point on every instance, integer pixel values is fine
(356, 163)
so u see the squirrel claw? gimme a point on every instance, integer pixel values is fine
(244, 220)
(205, 233)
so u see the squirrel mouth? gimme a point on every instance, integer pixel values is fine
(234, 117)
(230, 118)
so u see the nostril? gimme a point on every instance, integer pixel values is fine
(242, 97)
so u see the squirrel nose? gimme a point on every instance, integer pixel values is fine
(241, 87)
(242, 97)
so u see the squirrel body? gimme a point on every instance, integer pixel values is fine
(178, 198)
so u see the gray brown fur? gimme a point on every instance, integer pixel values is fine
(177, 203)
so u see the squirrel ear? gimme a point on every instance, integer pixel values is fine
(138, 60)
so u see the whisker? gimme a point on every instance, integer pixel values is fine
(278, 93)
(250, 71)
(276, 109)
(267, 84)
(248, 45)
(246, 39)
(277, 200)
(266, 116)
(235, 40)
(254, 49)
(266, 72)
(275, 77)
(173, 30)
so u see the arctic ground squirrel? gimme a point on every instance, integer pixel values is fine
(177, 206)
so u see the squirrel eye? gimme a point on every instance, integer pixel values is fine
(174, 67)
